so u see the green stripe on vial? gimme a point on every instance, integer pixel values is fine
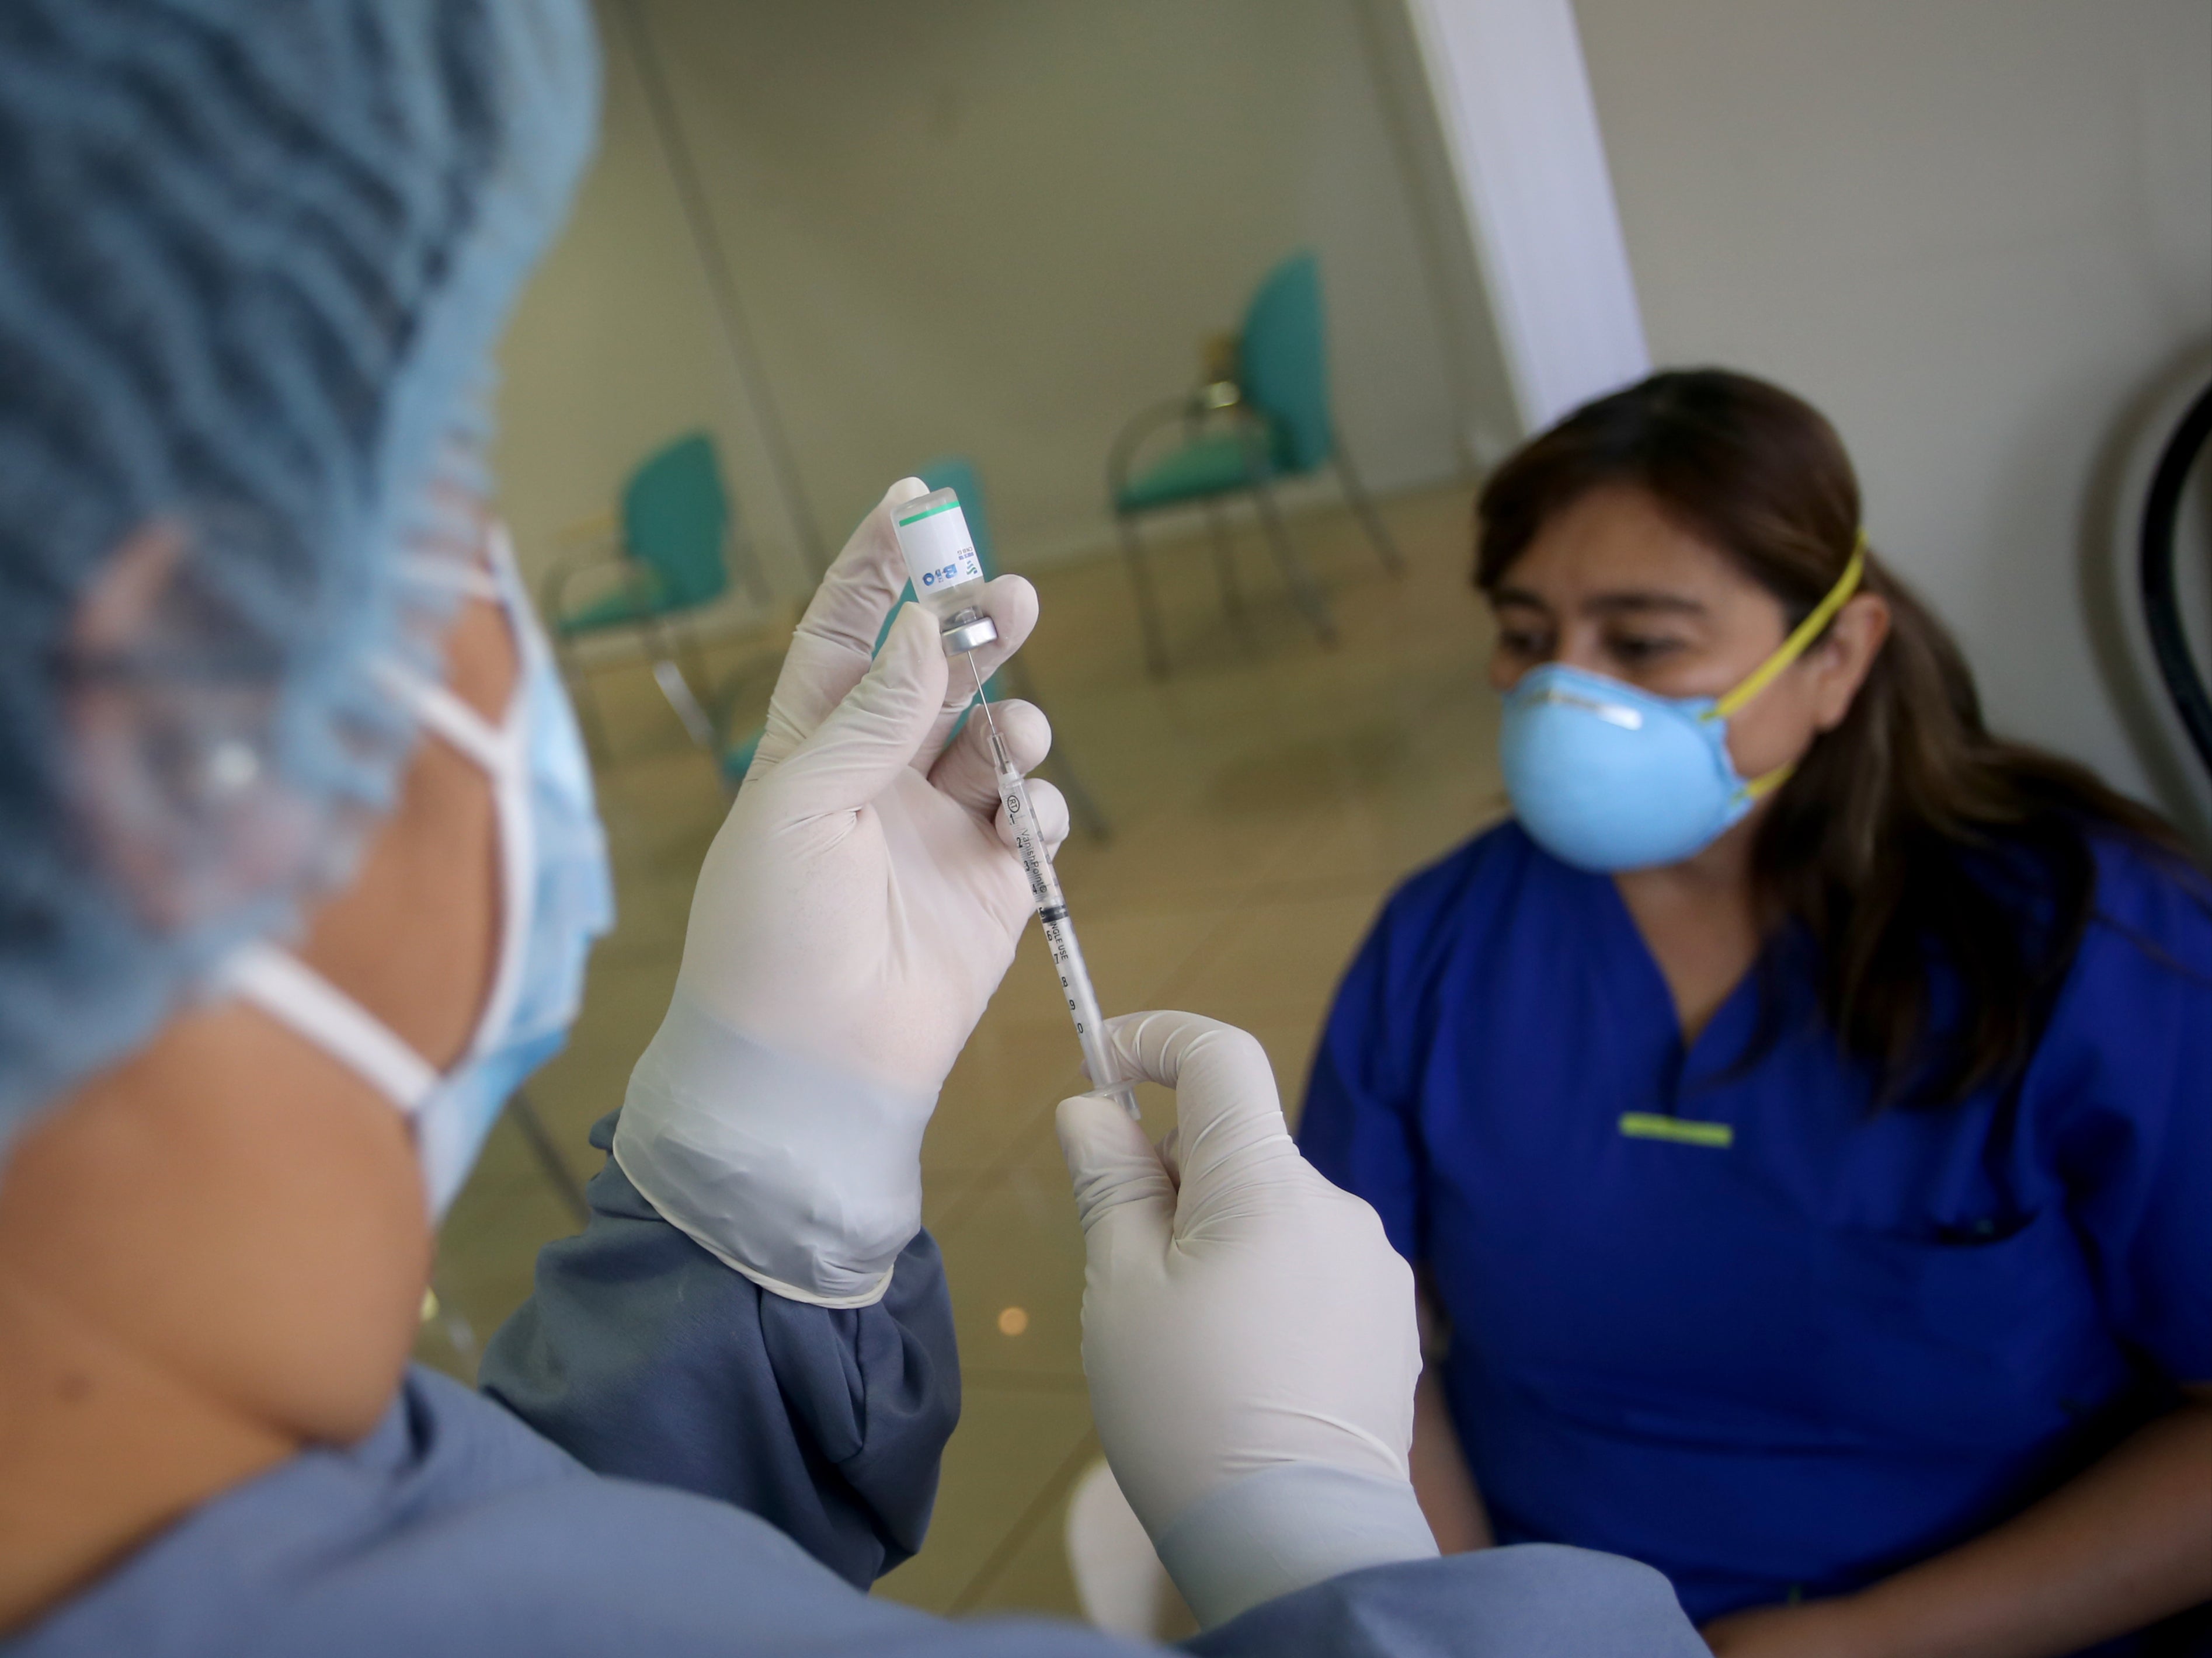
(932, 512)
(1646, 1125)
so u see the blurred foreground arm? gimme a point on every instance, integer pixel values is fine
(644, 1357)
(1248, 1335)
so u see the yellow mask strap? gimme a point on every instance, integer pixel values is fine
(1794, 646)
(1767, 782)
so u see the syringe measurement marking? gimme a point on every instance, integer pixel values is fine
(1051, 910)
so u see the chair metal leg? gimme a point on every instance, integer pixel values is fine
(716, 702)
(1304, 588)
(1148, 609)
(677, 690)
(1363, 507)
(1082, 805)
(1224, 560)
(742, 554)
(577, 676)
(558, 1176)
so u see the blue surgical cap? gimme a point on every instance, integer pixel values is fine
(254, 256)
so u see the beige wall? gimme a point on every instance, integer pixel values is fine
(997, 226)
(612, 347)
(1973, 231)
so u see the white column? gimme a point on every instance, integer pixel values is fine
(1513, 99)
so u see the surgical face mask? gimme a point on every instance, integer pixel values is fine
(1607, 777)
(556, 896)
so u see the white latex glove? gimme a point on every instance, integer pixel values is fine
(1248, 1330)
(854, 915)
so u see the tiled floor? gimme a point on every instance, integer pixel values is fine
(1264, 799)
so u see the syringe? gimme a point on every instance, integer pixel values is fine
(947, 574)
(1082, 1000)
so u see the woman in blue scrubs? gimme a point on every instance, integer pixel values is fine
(1801, 1111)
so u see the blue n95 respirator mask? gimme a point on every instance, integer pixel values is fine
(556, 897)
(1607, 777)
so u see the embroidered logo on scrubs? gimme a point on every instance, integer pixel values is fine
(1649, 1126)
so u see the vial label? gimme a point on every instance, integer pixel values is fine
(939, 552)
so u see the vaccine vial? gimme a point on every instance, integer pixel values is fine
(947, 576)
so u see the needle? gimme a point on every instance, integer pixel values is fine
(997, 748)
(1075, 987)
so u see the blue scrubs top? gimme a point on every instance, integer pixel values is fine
(1730, 1320)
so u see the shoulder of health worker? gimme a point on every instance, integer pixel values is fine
(644, 1357)
(453, 1529)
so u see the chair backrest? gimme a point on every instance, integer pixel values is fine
(676, 519)
(1283, 359)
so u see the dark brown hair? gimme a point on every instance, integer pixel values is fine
(1909, 834)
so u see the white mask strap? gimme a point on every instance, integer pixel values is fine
(289, 990)
(446, 714)
(470, 580)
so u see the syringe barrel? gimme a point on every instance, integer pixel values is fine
(1098, 1057)
(1073, 972)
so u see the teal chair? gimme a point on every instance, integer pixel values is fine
(959, 474)
(671, 560)
(1269, 420)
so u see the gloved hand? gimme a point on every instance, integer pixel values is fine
(854, 915)
(1248, 1330)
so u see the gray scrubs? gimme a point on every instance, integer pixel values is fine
(666, 1461)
